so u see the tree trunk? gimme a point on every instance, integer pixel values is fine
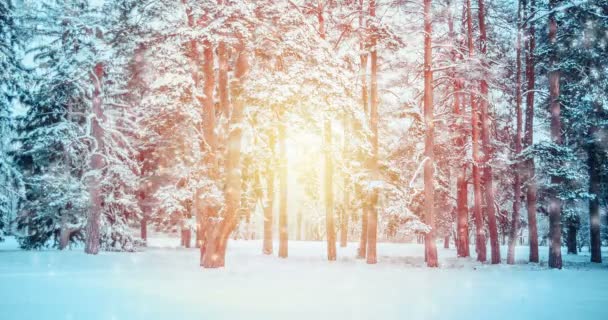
(345, 213)
(555, 203)
(329, 195)
(283, 232)
(571, 239)
(96, 163)
(299, 225)
(594, 203)
(362, 252)
(529, 138)
(215, 253)
(64, 235)
(462, 222)
(344, 222)
(429, 164)
(143, 228)
(463, 215)
(328, 178)
(268, 214)
(372, 221)
(480, 237)
(514, 231)
(485, 138)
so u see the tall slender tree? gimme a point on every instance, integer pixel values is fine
(429, 188)
(530, 47)
(485, 137)
(363, 58)
(480, 237)
(555, 203)
(514, 231)
(372, 220)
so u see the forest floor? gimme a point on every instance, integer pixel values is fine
(164, 282)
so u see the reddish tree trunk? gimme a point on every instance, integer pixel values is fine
(299, 225)
(328, 178)
(462, 211)
(96, 163)
(362, 252)
(372, 221)
(480, 237)
(268, 216)
(555, 203)
(463, 215)
(283, 232)
(345, 213)
(514, 231)
(429, 188)
(215, 252)
(143, 228)
(530, 45)
(487, 145)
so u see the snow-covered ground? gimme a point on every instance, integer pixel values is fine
(166, 283)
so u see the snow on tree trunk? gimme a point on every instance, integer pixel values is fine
(530, 46)
(96, 164)
(215, 252)
(429, 188)
(555, 203)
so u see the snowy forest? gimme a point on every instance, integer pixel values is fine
(465, 132)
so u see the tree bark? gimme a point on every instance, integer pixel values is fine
(480, 237)
(485, 138)
(462, 211)
(328, 172)
(214, 256)
(514, 231)
(283, 232)
(362, 252)
(96, 163)
(594, 203)
(344, 218)
(268, 216)
(299, 225)
(372, 221)
(143, 228)
(530, 45)
(555, 203)
(329, 195)
(571, 239)
(429, 164)
(345, 213)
